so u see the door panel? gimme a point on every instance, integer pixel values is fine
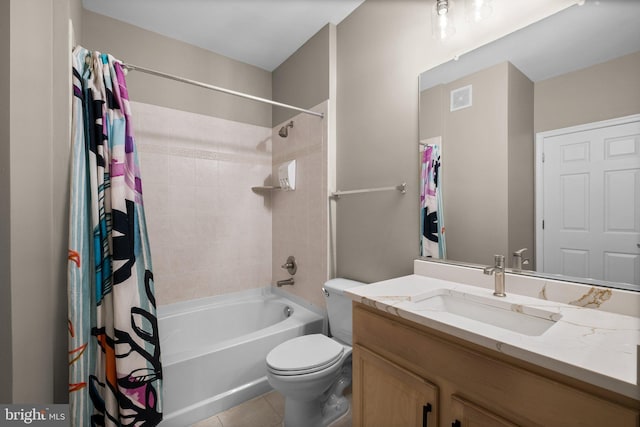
(591, 203)
(574, 201)
(574, 262)
(621, 201)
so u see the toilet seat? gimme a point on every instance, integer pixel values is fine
(304, 355)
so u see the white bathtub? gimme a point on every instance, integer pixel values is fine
(214, 349)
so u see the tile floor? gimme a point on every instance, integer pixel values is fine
(263, 411)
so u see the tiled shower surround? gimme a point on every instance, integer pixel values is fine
(210, 234)
(300, 220)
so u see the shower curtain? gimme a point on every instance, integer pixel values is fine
(432, 240)
(115, 373)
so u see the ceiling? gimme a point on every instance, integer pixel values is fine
(263, 33)
(570, 40)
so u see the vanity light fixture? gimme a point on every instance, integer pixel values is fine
(478, 10)
(444, 13)
(442, 7)
(442, 22)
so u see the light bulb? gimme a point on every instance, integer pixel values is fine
(477, 10)
(442, 19)
(442, 7)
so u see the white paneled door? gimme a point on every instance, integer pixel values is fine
(591, 202)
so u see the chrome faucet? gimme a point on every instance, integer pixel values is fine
(284, 282)
(498, 271)
(518, 261)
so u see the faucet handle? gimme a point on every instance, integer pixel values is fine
(519, 260)
(290, 265)
(498, 261)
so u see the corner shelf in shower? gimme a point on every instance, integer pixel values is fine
(262, 188)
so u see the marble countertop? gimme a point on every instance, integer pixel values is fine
(594, 346)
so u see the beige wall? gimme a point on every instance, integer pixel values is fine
(38, 178)
(303, 79)
(381, 50)
(30, 247)
(600, 92)
(475, 176)
(521, 196)
(431, 113)
(487, 157)
(382, 47)
(6, 379)
(151, 50)
(76, 12)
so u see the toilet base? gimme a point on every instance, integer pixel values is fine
(331, 412)
(320, 412)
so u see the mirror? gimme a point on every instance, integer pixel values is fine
(546, 90)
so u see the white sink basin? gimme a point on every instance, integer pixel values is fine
(489, 310)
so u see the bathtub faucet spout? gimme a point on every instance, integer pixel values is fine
(285, 282)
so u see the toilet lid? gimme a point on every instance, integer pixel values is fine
(305, 354)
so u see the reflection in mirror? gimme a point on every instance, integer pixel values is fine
(540, 146)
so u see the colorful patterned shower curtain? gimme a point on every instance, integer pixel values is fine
(432, 240)
(115, 374)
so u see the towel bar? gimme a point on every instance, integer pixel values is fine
(402, 188)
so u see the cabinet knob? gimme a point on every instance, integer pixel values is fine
(456, 423)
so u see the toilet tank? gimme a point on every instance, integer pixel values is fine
(339, 308)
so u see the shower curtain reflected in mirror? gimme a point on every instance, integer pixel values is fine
(432, 237)
(115, 373)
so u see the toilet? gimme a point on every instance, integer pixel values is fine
(312, 371)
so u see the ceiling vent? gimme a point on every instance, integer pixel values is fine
(461, 98)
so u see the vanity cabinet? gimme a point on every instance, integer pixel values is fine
(395, 397)
(401, 367)
(465, 413)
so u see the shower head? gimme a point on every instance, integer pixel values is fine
(284, 130)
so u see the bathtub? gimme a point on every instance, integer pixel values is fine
(214, 349)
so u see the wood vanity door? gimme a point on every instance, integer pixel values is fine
(386, 395)
(467, 414)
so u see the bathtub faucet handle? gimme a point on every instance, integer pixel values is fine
(290, 265)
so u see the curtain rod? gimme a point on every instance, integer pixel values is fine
(218, 89)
